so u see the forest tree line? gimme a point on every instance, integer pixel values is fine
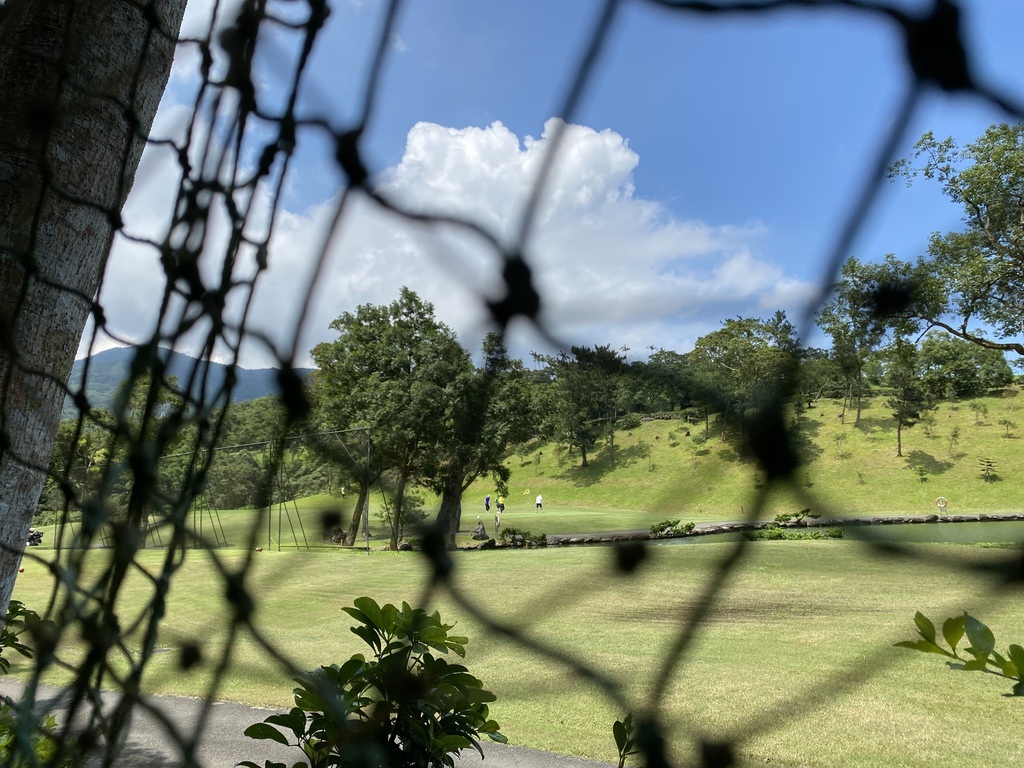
(914, 332)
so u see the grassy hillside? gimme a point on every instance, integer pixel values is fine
(848, 469)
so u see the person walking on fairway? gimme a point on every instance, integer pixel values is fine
(501, 504)
(487, 503)
(540, 502)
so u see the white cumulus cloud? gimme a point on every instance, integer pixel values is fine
(612, 266)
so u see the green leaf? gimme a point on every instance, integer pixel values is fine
(264, 731)
(370, 609)
(981, 636)
(953, 630)
(619, 732)
(1018, 689)
(976, 665)
(1016, 654)
(922, 645)
(294, 721)
(925, 627)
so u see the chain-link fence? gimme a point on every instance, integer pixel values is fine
(156, 483)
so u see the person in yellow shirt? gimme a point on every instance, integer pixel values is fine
(501, 504)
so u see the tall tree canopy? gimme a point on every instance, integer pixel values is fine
(745, 362)
(857, 322)
(978, 272)
(584, 405)
(392, 369)
(952, 367)
(486, 410)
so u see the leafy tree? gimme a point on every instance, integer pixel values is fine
(855, 320)
(980, 411)
(486, 411)
(73, 129)
(606, 368)
(660, 383)
(584, 384)
(390, 369)
(954, 439)
(745, 363)
(252, 421)
(819, 375)
(954, 368)
(908, 399)
(978, 271)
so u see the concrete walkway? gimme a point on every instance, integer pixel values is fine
(223, 744)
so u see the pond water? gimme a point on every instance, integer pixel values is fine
(1001, 532)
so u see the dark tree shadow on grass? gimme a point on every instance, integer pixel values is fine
(600, 465)
(926, 464)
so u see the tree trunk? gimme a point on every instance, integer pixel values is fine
(396, 513)
(449, 513)
(860, 393)
(899, 439)
(357, 512)
(611, 439)
(583, 455)
(80, 81)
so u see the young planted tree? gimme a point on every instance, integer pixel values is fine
(908, 399)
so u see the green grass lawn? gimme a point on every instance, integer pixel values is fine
(780, 659)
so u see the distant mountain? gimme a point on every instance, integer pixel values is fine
(108, 370)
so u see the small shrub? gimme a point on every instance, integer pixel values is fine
(404, 707)
(795, 517)
(630, 421)
(777, 533)
(508, 535)
(987, 468)
(667, 528)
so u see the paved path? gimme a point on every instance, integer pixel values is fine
(223, 743)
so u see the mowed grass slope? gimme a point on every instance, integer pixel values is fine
(795, 660)
(660, 473)
(847, 469)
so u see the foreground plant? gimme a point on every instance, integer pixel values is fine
(625, 739)
(402, 707)
(40, 747)
(980, 655)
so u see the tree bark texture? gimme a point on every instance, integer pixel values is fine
(80, 81)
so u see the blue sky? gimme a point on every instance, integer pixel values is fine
(714, 160)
